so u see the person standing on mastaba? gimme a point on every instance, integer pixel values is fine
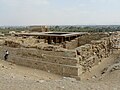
(6, 55)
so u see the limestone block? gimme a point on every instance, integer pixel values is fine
(69, 53)
(60, 60)
(68, 71)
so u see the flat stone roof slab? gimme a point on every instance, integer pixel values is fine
(53, 34)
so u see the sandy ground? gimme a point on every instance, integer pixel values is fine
(14, 77)
(97, 70)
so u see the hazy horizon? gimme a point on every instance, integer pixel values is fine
(59, 12)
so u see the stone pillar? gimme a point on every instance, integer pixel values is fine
(62, 39)
(69, 39)
(49, 40)
(45, 40)
(55, 39)
(52, 40)
(59, 39)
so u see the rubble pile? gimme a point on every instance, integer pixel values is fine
(17, 42)
(12, 44)
(2, 42)
(91, 54)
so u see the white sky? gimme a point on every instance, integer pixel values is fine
(59, 12)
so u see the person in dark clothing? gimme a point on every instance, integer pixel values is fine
(6, 55)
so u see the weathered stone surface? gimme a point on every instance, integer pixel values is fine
(73, 62)
(90, 55)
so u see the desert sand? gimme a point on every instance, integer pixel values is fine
(105, 76)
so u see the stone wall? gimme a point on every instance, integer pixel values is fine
(62, 69)
(84, 39)
(72, 44)
(91, 54)
(63, 63)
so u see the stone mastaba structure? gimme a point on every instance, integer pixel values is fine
(72, 61)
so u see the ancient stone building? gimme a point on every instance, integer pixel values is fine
(38, 29)
(67, 54)
(60, 38)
